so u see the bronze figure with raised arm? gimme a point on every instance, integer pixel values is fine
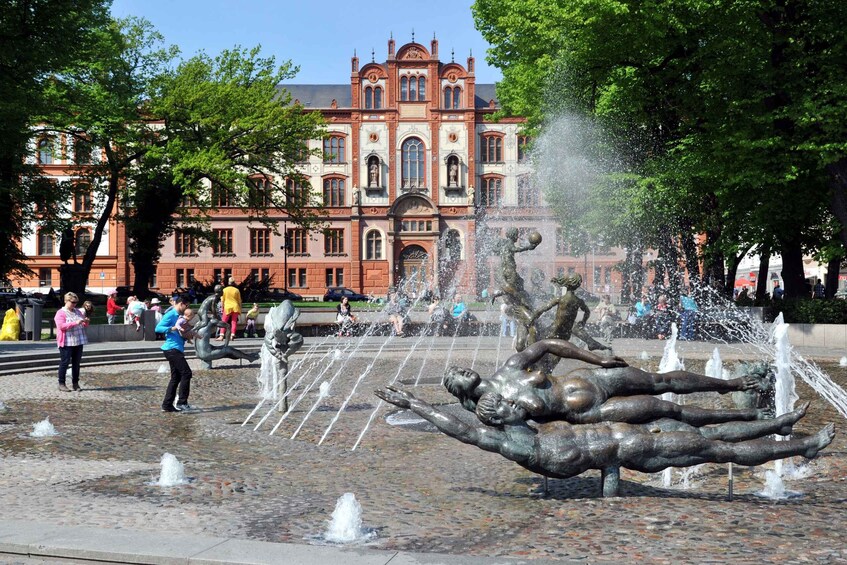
(613, 392)
(558, 449)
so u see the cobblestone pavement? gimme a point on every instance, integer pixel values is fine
(419, 490)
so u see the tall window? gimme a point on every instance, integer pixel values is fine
(492, 149)
(373, 245)
(412, 88)
(527, 195)
(83, 240)
(45, 276)
(45, 151)
(335, 276)
(221, 197)
(523, 147)
(260, 241)
(46, 243)
(82, 151)
(334, 192)
(561, 244)
(82, 198)
(421, 88)
(298, 242)
(222, 242)
(373, 97)
(260, 192)
(492, 192)
(413, 163)
(334, 241)
(334, 149)
(184, 243)
(452, 97)
(296, 194)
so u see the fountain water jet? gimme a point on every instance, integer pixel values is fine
(43, 429)
(172, 473)
(346, 523)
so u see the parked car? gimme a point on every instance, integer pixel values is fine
(272, 295)
(336, 293)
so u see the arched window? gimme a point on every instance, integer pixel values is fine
(45, 151)
(404, 88)
(492, 192)
(46, 243)
(492, 149)
(373, 245)
(413, 173)
(82, 199)
(452, 97)
(421, 88)
(527, 195)
(413, 88)
(83, 240)
(82, 152)
(373, 97)
(334, 191)
(334, 149)
(296, 193)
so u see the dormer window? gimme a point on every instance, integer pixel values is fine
(412, 88)
(373, 97)
(452, 98)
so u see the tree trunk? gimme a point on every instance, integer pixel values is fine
(732, 271)
(838, 188)
(792, 270)
(832, 270)
(763, 281)
(73, 278)
(689, 249)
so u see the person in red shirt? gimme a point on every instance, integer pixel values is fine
(112, 307)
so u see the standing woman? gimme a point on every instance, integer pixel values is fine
(231, 302)
(70, 336)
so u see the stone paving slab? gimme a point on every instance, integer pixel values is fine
(421, 492)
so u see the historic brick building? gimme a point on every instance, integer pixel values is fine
(412, 177)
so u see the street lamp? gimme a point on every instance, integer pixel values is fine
(284, 248)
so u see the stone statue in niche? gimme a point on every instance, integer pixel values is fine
(453, 174)
(373, 174)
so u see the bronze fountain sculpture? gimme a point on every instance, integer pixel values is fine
(605, 417)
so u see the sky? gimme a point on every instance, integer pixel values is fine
(318, 36)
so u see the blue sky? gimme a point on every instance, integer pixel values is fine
(319, 36)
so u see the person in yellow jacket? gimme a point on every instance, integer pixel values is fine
(11, 326)
(231, 303)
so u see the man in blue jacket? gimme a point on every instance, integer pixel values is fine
(174, 350)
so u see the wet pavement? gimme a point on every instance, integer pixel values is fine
(420, 491)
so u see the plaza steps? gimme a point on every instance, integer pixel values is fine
(44, 357)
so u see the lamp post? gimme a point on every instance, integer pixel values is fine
(284, 248)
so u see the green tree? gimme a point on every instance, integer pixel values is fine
(102, 105)
(37, 38)
(725, 110)
(224, 124)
